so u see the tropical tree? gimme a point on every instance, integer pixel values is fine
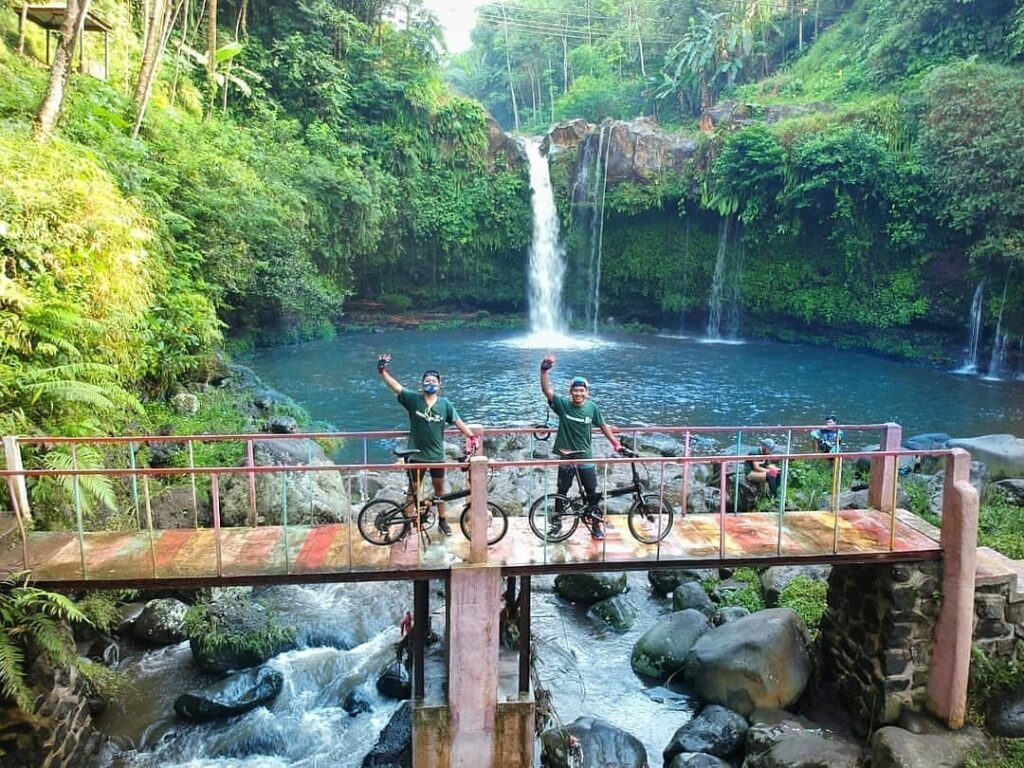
(60, 69)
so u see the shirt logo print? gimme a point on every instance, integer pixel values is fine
(430, 416)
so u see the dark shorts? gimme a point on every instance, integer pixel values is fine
(416, 475)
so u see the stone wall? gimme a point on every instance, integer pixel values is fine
(876, 637)
(999, 622)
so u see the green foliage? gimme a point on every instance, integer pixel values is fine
(749, 595)
(991, 676)
(998, 753)
(222, 626)
(809, 598)
(1000, 526)
(32, 622)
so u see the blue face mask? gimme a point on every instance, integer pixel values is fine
(431, 388)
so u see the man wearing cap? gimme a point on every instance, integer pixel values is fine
(763, 471)
(428, 414)
(577, 416)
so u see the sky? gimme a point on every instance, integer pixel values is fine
(456, 16)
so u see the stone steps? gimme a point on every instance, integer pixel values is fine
(994, 569)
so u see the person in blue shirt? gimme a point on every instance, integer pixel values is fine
(829, 438)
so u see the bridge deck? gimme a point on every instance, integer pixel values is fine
(336, 552)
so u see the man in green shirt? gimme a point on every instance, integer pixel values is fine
(428, 415)
(577, 416)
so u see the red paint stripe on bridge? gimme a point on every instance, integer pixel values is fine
(318, 543)
(169, 544)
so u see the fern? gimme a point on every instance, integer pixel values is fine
(32, 618)
(94, 489)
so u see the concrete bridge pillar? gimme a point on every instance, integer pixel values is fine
(884, 470)
(951, 652)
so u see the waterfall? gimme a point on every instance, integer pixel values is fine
(718, 281)
(589, 191)
(732, 315)
(997, 362)
(547, 256)
(970, 364)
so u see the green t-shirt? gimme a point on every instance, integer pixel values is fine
(575, 424)
(426, 424)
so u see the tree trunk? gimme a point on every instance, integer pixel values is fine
(705, 105)
(508, 68)
(53, 100)
(163, 21)
(154, 30)
(211, 55)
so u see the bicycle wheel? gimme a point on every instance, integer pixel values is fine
(650, 518)
(383, 522)
(497, 523)
(546, 524)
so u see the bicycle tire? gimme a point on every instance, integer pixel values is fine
(383, 522)
(497, 523)
(540, 517)
(650, 518)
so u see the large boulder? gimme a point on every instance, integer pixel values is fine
(1013, 490)
(697, 760)
(394, 745)
(893, 747)
(394, 682)
(162, 622)
(232, 695)
(778, 739)
(692, 594)
(715, 731)
(236, 632)
(775, 579)
(588, 588)
(1004, 715)
(310, 497)
(758, 661)
(665, 580)
(1004, 454)
(589, 742)
(663, 648)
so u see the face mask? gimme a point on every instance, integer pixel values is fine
(431, 388)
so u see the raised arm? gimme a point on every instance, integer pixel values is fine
(382, 369)
(545, 381)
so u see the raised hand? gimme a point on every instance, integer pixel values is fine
(382, 362)
(547, 363)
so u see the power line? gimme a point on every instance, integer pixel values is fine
(735, 4)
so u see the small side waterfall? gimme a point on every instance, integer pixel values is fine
(547, 255)
(718, 281)
(997, 363)
(732, 313)
(589, 190)
(970, 363)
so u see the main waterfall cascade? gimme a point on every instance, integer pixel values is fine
(547, 255)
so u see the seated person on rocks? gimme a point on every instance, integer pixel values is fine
(829, 438)
(762, 471)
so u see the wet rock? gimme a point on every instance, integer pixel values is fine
(1013, 490)
(715, 731)
(394, 746)
(779, 739)
(588, 742)
(665, 580)
(394, 682)
(663, 648)
(1004, 715)
(185, 404)
(588, 588)
(693, 595)
(105, 650)
(617, 612)
(356, 702)
(697, 760)
(237, 693)
(893, 747)
(238, 632)
(281, 425)
(758, 661)
(729, 613)
(162, 622)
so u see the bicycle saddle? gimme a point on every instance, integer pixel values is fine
(405, 452)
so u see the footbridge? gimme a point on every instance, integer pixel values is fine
(167, 512)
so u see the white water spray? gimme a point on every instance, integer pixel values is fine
(970, 363)
(547, 255)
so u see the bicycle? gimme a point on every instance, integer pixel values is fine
(384, 522)
(649, 517)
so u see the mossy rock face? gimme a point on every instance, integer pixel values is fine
(664, 647)
(235, 632)
(589, 588)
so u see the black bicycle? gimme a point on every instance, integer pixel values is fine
(383, 521)
(555, 517)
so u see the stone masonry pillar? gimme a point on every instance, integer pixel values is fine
(951, 652)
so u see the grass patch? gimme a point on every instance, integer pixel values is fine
(808, 597)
